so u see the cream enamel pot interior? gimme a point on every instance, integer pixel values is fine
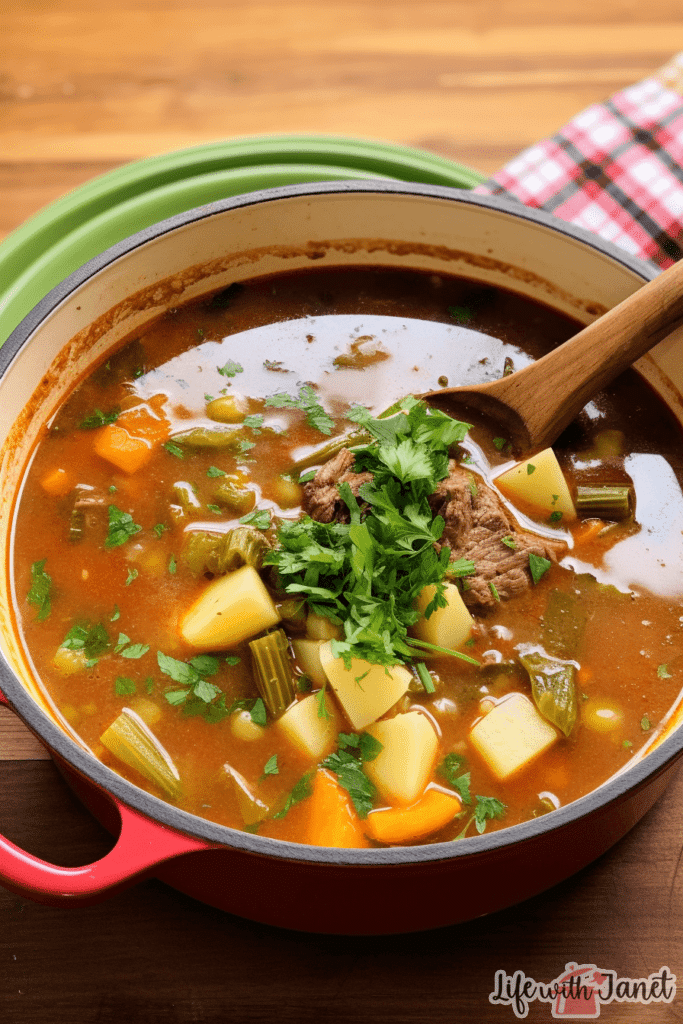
(193, 253)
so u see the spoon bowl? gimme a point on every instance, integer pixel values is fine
(534, 405)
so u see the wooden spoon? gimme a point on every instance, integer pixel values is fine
(534, 405)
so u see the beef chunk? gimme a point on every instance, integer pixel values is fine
(476, 523)
(321, 499)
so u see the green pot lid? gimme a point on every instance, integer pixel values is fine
(67, 233)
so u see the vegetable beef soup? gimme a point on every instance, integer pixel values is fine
(408, 635)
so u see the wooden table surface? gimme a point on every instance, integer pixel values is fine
(86, 86)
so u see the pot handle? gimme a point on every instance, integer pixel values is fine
(141, 846)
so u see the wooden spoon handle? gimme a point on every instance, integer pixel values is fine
(572, 374)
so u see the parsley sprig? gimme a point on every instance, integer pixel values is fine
(307, 401)
(368, 573)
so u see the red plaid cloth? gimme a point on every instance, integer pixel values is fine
(616, 169)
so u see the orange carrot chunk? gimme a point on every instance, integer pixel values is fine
(116, 445)
(332, 819)
(58, 483)
(431, 812)
(128, 443)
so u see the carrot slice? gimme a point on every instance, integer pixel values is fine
(116, 445)
(58, 482)
(128, 443)
(332, 819)
(432, 812)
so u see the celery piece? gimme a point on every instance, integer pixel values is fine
(273, 671)
(130, 740)
(553, 687)
(613, 502)
(223, 552)
(184, 494)
(236, 499)
(252, 808)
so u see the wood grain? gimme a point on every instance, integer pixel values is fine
(86, 86)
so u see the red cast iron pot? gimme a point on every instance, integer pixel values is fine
(369, 891)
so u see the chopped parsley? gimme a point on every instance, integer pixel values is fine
(172, 565)
(259, 518)
(93, 640)
(530, 468)
(509, 542)
(132, 575)
(499, 443)
(307, 401)
(196, 695)
(538, 566)
(254, 422)
(39, 594)
(270, 767)
(451, 769)
(368, 573)
(121, 527)
(645, 723)
(663, 672)
(99, 419)
(214, 471)
(231, 369)
(174, 449)
(301, 791)
(555, 516)
(123, 686)
(159, 529)
(494, 590)
(486, 808)
(348, 769)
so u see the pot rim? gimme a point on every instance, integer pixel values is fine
(613, 790)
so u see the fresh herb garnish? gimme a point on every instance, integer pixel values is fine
(538, 566)
(231, 369)
(159, 529)
(99, 419)
(509, 542)
(259, 518)
(121, 527)
(132, 575)
(663, 672)
(494, 590)
(499, 443)
(123, 686)
(307, 401)
(486, 808)
(301, 791)
(351, 776)
(254, 422)
(451, 769)
(645, 723)
(39, 594)
(134, 651)
(270, 767)
(172, 565)
(197, 695)
(368, 573)
(174, 449)
(425, 677)
(214, 471)
(216, 509)
(530, 468)
(92, 640)
(555, 516)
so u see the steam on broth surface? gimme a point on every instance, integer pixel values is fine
(174, 574)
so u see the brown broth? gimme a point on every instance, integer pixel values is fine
(311, 327)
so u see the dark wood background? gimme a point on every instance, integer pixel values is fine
(86, 86)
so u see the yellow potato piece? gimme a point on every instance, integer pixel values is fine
(447, 627)
(231, 609)
(307, 653)
(539, 484)
(365, 691)
(405, 764)
(512, 735)
(310, 732)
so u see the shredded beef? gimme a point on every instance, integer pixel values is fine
(321, 499)
(476, 523)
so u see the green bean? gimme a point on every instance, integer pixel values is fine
(206, 438)
(553, 687)
(237, 499)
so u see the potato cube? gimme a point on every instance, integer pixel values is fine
(404, 766)
(231, 609)
(307, 653)
(312, 733)
(447, 627)
(538, 484)
(512, 735)
(365, 691)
